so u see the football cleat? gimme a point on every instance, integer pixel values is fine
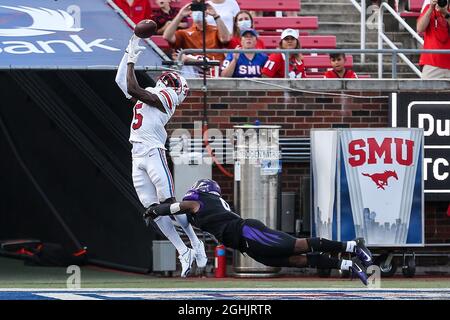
(363, 253)
(186, 260)
(200, 255)
(359, 270)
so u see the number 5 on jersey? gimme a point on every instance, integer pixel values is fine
(138, 118)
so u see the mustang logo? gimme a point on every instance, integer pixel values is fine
(381, 179)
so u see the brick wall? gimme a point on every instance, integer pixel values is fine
(297, 113)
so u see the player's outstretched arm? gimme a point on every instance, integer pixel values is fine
(133, 87)
(182, 207)
(136, 91)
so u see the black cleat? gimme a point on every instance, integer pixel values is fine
(363, 253)
(359, 270)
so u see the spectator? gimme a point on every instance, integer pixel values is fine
(244, 65)
(192, 38)
(136, 10)
(434, 22)
(243, 20)
(339, 71)
(227, 9)
(274, 67)
(165, 14)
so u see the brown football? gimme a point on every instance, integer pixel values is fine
(145, 28)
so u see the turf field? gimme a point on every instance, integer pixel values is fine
(25, 282)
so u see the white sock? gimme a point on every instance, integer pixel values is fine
(165, 224)
(346, 264)
(350, 246)
(184, 223)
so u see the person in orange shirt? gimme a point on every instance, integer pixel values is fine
(217, 37)
(136, 10)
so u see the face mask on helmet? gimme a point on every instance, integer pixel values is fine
(207, 186)
(176, 82)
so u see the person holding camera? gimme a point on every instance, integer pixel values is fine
(217, 37)
(434, 22)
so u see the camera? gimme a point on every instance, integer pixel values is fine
(200, 6)
(442, 3)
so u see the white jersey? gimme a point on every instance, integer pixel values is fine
(147, 127)
(148, 124)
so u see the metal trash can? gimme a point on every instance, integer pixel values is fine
(257, 168)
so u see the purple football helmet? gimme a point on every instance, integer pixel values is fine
(207, 186)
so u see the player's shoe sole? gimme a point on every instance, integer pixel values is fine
(358, 269)
(200, 255)
(186, 261)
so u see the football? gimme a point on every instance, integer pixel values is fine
(145, 28)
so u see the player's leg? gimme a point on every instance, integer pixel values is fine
(161, 177)
(147, 194)
(278, 249)
(356, 247)
(287, 245)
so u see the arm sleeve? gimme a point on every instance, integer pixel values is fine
(271, 67)
(121, 76)
(179, 39)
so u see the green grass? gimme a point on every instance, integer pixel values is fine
(13, 274)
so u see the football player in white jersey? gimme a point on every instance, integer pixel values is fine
(151, 176)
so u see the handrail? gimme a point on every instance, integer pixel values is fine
(362, 10)
(394, 52)
(382, 36)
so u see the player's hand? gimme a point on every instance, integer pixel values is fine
(134, 50)
(149, 214)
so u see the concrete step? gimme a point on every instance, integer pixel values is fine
(333, 27)
(387, 60)
(354, 35)
(356, 45)
(373, 67)
(332, 16)
(400, 75)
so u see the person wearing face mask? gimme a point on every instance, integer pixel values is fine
(243, 20)
(244, 65)
(434, 22)
(274, 67)
(217, 37)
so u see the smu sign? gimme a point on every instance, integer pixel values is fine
(368, 183)
(390, 150)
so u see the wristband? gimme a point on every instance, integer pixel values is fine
(175, 207)
(216, 17)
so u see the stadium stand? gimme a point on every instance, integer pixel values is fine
(273, 23)
(307, 42)
(413, 8)
(260, 5)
